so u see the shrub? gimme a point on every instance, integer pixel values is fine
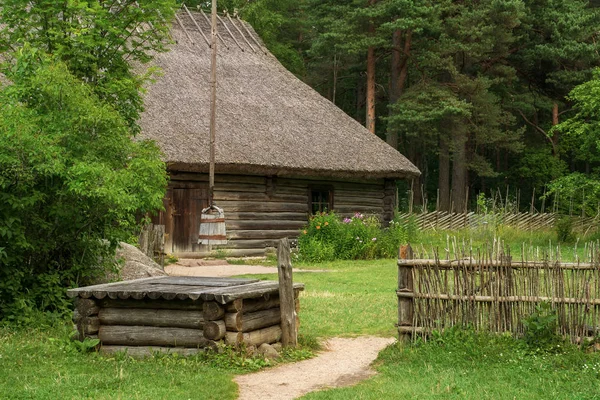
(72, 181)
(540, 329)
(327, 238)
(564, 229)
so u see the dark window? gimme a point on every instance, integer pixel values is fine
(321, 200)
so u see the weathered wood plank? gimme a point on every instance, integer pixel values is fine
(86, 292)
(153, 304)
(152, 317)
(262, 234)
(258, 289)
(264, 224)
(206, 281)
(289, 336)
(243, 206)
(254, 196)
(271, 334)
(246, 322)
(151, 336)
(270, 216)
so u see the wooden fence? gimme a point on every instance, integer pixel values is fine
(496, 293)
(441, 220)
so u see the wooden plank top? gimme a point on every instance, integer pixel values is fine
(222, 290)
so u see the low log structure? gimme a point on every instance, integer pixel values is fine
(180, 315)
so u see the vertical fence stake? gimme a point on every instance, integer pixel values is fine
(289, 336)
(405, 285)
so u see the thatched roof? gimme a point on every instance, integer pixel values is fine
(268, 121)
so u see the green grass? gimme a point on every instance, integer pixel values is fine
(351, 298)
(476, 367)
(42, 364)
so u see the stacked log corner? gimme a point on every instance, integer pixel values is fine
(405, 285)
(252, 322)
(85, 318)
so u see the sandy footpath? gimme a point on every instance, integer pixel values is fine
(344, 362)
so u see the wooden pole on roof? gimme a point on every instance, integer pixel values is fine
(213, 100)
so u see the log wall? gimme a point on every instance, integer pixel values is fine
(260, 210)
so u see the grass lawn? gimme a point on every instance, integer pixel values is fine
(351, 298)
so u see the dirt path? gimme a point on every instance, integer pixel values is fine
(218, 268)
(345, 362)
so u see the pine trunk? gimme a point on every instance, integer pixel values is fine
(459, 171)
(444, 174)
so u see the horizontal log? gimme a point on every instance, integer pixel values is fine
(269, 216)
(251, 305)
(151, 336)
(347, 202)
(251, 244)
(271, 334)
(259, 234)
(263, 225)
(150, 351)
(224, 178)
(499, 299)
(149, 317)
(228, 252)
(245, 206)
(369, 194)
(213, 311)
(352, 184)
(214, 330)
(153, 304)
(254, 196)
(246, 322)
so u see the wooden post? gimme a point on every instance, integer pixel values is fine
(405, 285)
(289, 337)
(213, 101)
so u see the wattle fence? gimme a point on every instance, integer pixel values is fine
(493, 292)
(442, 220)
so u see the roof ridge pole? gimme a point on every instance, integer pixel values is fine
(213, 101)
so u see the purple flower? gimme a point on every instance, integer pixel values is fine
(358, 215)
(347, 220)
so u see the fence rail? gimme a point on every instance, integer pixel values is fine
(442, 220)
(497, 294)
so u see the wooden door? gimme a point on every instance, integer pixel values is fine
(186, 207)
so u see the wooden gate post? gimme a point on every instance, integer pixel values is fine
(289, 335)
(405, 285)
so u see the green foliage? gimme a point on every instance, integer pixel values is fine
(564, 229)
(327, 238)
(96, 40)
(72, 181)
(541, 329)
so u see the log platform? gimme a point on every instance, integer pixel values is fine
(184, 314)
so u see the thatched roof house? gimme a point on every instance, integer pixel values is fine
(280, 148)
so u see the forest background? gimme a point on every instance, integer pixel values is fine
(480, 95)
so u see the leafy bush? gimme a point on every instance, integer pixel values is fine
(564, 229)
(72, 181)
(540, 329)
(328, 238)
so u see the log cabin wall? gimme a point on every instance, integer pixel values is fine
(260, 210)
